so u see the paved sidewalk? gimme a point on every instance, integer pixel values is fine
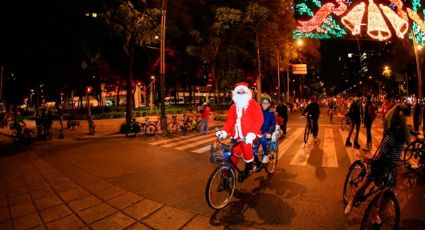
(105, 128)
(36, 195)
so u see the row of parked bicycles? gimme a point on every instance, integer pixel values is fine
(383, 211)
(148, 127)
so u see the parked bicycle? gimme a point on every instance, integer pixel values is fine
(174, 126)
(308, 128)
(222, 182)
(383, 210)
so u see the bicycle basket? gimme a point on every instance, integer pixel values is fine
(219, 152)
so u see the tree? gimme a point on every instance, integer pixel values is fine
(136, 27)
(257, 16)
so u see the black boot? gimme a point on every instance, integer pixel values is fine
(348, 143)
(246, 172)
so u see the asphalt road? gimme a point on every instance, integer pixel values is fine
(304, 193)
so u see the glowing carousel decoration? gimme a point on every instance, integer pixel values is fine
(381, 20)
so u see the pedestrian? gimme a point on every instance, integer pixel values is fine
(369, 117)
(282, 111)
(49, 123)
(205, 116)
(417, 115)
(355, 114)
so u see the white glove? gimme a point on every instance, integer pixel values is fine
(250, 137)
(221, 134)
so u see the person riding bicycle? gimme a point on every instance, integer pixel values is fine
(243, 122)
(396, 134)
(267, 130)
(331, 104)
(18, 124)
(313, 112)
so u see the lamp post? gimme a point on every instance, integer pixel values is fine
(151, 86)
(299, 43)
(162, 66)
(417, 48)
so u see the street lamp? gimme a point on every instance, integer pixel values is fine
(162, 66)
(299, 44)
(151, 93)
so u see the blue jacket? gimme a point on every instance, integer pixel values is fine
(269, 124)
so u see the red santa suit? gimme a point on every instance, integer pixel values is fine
(243, 121)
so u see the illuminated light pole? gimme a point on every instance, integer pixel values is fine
(162, 67)
(299, 44)
(151, 86)
(417, 48)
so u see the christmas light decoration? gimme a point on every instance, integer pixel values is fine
(384, 18)
(399, 24)
(353, 19)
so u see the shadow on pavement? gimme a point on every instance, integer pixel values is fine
(257, 208)
(315, 160)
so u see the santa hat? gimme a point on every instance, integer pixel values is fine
(241, 84)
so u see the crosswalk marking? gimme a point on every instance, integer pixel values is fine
(329, 151)
(186, 141)
(193, 144)
(208, 147)
(172, 139)
(288, 142)
(302, 155)
(353, 153)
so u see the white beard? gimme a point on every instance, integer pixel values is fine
(241, 100)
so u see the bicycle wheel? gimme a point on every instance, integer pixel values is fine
(343, 123)
(198, 127)
(273, 160)
(220, 187)
(383, 212)
(185, 128)
(306, 133)
(356, 174)
(412, 154)
(172, 128)
(151, 130)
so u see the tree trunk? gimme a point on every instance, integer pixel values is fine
(259, 68)
(118, 94)
(129, 95)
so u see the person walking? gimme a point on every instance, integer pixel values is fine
(417, 115)
(369, 117)
(282, 111)
(205, 115)
(355, 114)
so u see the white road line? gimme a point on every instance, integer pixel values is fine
(353, 154)
(289, 141)
(193, 144)
(329, 150)
(189, 140)
(302, 155)
(172, 139)
(208, 147)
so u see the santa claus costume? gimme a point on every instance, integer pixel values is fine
(244, 121)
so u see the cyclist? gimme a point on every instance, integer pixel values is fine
(332, 105)
(243, 122)
(313, 110)
(18, 124)
(267, 130)
(396, 133)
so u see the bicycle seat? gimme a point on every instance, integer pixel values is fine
(146, 119)
(175, 116)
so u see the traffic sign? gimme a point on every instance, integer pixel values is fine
(299, 69)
